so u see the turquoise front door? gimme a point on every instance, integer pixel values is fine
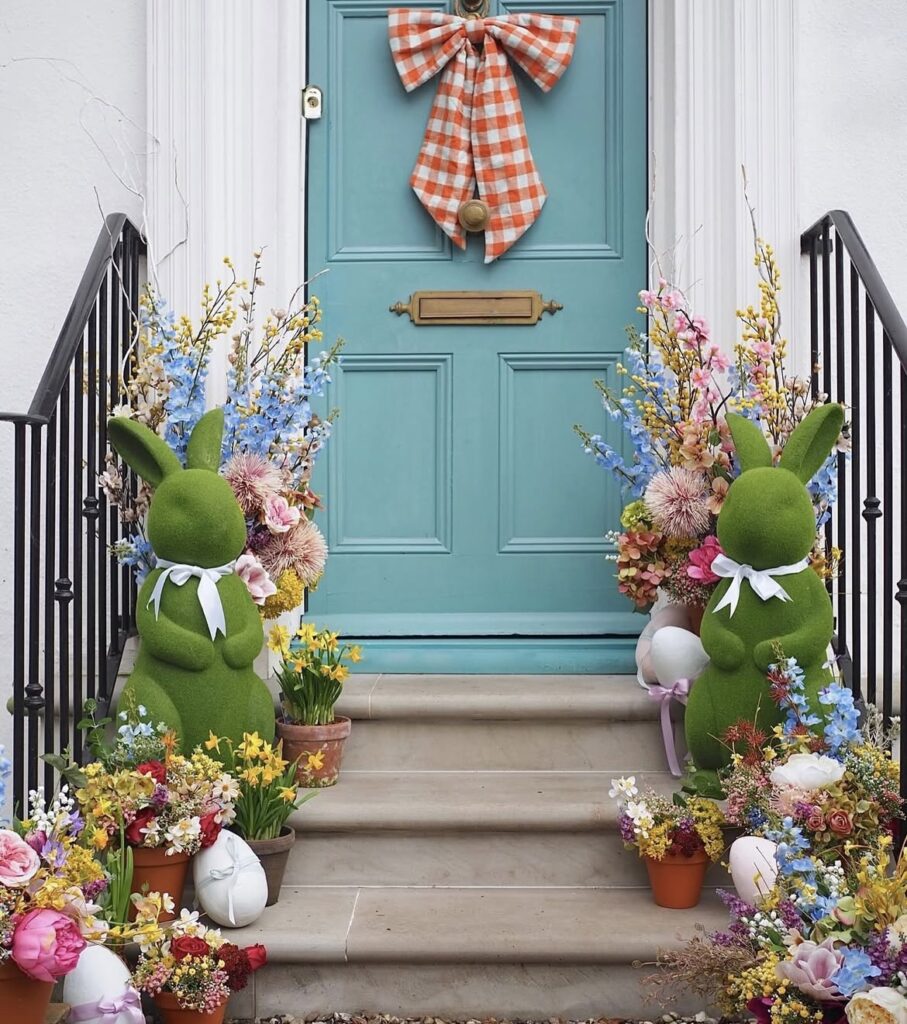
(461, 511)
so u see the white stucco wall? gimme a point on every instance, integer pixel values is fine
(851, 144)
(72, 103)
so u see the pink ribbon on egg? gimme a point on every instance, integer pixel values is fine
(680, 691)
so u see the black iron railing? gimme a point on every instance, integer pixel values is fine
(859, 356)
(73, 605)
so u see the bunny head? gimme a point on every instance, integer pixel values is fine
(768, 518)
(194, 517)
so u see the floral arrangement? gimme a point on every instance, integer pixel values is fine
(272, 435)
(141, 793)
(657, 827)
(820, 771)
(48, 885)
(829, 939)
(679, 386)
(266, 781)
(196, 965)
(312, 672)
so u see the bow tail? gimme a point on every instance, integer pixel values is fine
(507, 175)
(444, 159)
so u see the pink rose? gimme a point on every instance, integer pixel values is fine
(18, 861)
(255, 577)
(47, 944)
(279, 514)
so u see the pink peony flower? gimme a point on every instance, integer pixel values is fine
(812, 970)
(255, 577)
(18, 861)
(701, 558)
(47, 944)
(279, 514)
(676, 499)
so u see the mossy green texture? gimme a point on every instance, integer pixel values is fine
(767, 521)
(182, 676)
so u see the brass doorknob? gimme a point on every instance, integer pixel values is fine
(474, 215)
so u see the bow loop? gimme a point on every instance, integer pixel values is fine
(475, 137)
(680, 691)
(110, 1007)
(180, 573)
(760, 580)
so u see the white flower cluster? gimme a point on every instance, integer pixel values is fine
(49, 819)
(624, 791)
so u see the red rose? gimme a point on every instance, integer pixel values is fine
(188, 945)
(257, 954)
(142, 820)
(841, 823)
(210, 829)
(155, 769)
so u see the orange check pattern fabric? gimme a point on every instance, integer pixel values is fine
(475, 134)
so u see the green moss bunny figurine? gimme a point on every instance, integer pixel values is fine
(769, 594)
(199, 629)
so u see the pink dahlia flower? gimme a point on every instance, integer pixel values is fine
(676, 500)
(302, 549)
(18, 861)
(255, 577)
(701, 558)
(47, 944)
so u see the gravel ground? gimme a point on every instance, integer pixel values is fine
(382, 1018)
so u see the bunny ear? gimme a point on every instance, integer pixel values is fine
(809, 445)
(203, 449)
(749, 442)
(142, 449)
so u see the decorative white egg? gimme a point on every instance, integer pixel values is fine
(753, 867)
(661, 616)
(101, 982)
(677, 654)
(230, 883)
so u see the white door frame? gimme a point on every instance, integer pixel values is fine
(228, 170)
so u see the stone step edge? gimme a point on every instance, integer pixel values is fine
(584, 938)
(412, 802)
(603, 699)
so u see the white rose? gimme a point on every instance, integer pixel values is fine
(808, 771)
(877, 1006)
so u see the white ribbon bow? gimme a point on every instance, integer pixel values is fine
(230, 872)
(760, 580)
(208, 597)
(108, 1008)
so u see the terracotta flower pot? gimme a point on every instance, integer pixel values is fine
(173, 1013)
(274, 854)
(677, 880)
(154, 871)
(22, 999)
(319, 749)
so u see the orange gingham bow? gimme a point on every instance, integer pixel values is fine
(475, 130)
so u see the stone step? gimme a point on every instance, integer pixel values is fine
(566, 723)
(468, 828)
(463, 952)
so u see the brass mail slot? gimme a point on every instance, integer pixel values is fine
(428, 309)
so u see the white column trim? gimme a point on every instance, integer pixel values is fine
(722, 96)
(225, 82)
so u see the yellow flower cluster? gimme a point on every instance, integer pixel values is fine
(289, 595)
(254, 761)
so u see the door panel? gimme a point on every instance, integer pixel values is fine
(459, 500)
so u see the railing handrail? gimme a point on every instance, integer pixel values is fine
(886, 308)
(69, 339)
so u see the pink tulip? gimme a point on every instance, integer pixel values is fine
(812, 970)
(47, 944)
(18, 861)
